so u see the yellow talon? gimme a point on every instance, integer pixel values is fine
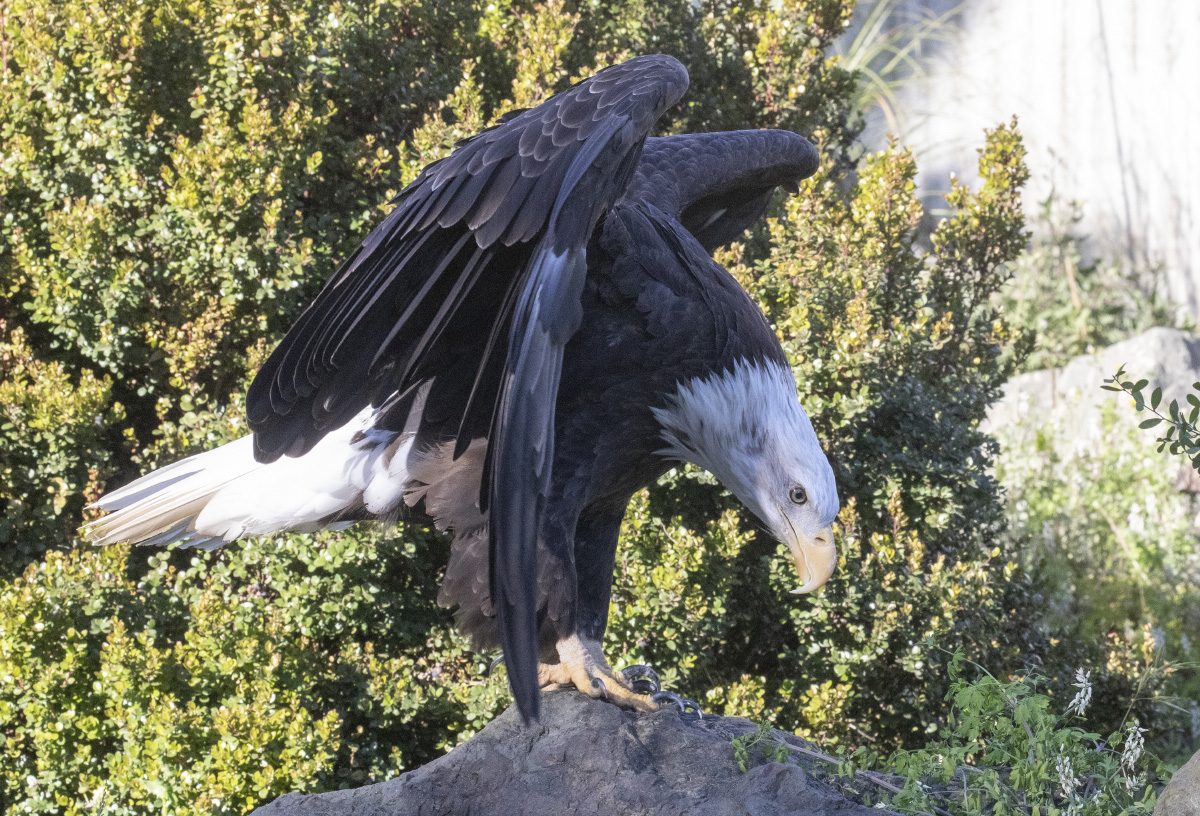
(582, 665)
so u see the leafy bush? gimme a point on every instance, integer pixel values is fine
(109, 704)
(221, 683)
(1008, 748)
(52, 448)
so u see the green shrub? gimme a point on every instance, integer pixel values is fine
(104, 708)
(53, 449)
(1008, 748)
(240, 677)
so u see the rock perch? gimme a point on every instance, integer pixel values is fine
(590, 757)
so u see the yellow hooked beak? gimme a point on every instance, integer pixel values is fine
(815, 559)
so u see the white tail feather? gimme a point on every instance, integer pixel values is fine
(224, 494)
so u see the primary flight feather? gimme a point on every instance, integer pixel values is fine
(534, 333)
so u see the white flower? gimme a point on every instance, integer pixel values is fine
(1132, 751)
(1066, 775)
(1083, 682)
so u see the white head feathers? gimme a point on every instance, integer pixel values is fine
(747, 428)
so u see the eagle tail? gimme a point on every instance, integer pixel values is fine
(224, 494)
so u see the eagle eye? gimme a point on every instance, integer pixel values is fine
(798, 495)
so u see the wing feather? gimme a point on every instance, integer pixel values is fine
(489, 202)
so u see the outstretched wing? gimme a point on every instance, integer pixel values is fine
(488, 243)
(718, 184)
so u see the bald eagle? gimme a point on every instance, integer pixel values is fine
(534, 333)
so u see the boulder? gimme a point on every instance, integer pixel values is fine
(1071, 396)
(1182, 794)
(590, 757)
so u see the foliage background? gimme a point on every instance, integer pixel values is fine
(177, 178)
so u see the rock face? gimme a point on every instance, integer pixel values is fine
(589, 757)
(1182, 794)
(1072, 395)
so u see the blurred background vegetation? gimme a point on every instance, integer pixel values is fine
(177, 178)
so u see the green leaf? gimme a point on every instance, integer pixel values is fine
(1149, 423)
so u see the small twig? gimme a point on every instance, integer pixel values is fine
(1145, 675)
(867, 736)
(1029, 733)
(1074, 287)
(865, 774)
(981, 771)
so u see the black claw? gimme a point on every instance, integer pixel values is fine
(694, 706)
(642, 679)
(494, 664)
(598, 683)
(669, 698)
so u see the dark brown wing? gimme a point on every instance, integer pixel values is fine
(718, 184)
(503, 220)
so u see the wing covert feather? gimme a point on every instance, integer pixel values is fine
(718, 184)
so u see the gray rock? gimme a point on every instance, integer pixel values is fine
(1071, 396)
(1182, 794)
(589, 757)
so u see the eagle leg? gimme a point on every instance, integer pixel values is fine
(582, 665)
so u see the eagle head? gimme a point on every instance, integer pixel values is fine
(746, 426)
